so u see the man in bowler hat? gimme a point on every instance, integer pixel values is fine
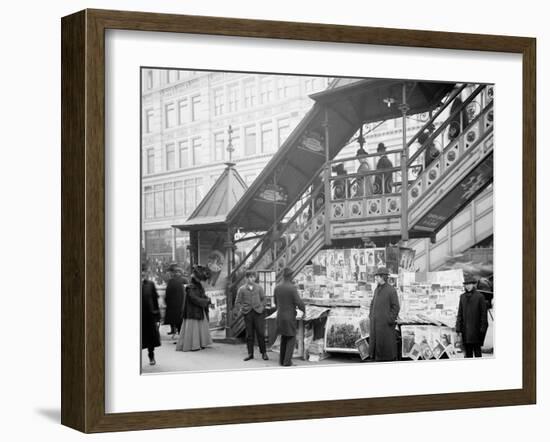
(384, 309)
(250, 302)
(471, 320)
(287, 301)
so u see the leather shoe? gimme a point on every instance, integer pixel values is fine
(264, 357)
(152, 362)
(248, 358)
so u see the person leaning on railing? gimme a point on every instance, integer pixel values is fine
(383, 181)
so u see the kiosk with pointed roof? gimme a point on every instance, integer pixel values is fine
(211, 235)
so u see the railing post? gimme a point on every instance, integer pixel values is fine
(404, 107)
(327, 181)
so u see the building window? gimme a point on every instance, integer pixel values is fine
(159, 201)
(171, 76)
(283, 130)
(236, 142)
(149, 202)
(218, 147)
(170, 115)
(232, 98)
(149, 114)
(184, 154)
(150, 161)
(197, 154)
(150, 82)
(195, 102)
(189, 196)
(267, 137)
(266, 91)
(170, 156)
(250, 140)
(218, 102)
(169, 199)
(178, 198)
(249, 93)
(182, 111)
(158, 242)
(199, 190)
(282, 87)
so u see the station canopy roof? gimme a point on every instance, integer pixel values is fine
(212, 211)
(349, 103)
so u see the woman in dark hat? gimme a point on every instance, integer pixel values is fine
(195, 332)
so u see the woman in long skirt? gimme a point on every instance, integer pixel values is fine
(195, 331)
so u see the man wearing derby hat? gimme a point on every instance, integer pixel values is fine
(384, 309)
(287, 301)
(250, 302)
(471, 320)
(383, 182)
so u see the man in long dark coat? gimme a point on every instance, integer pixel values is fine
(287, 301)
(384, 309)
(383, 181)
(150, 318)
(174, 300)
(250, 302)
(471, 320)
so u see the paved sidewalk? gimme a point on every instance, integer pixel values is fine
(219, 356)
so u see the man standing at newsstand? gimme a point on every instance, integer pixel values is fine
(384, 309)
(471, 320)
(250, 301)
(287, 301)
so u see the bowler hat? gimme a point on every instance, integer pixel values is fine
(470, 279)
(360, 152)
(382, 271)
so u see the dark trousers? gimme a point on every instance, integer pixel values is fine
(151, 353)
(255, 325)
(472, 350)
(287, 348)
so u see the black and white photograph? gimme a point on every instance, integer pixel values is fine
(368, 201)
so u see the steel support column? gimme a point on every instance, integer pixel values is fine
(404, 107)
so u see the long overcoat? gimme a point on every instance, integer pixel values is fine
(196, 301)
(286, 301)
(150, 315)
(383, 181)
(471, 319)
(174, 301)
(384, 309)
